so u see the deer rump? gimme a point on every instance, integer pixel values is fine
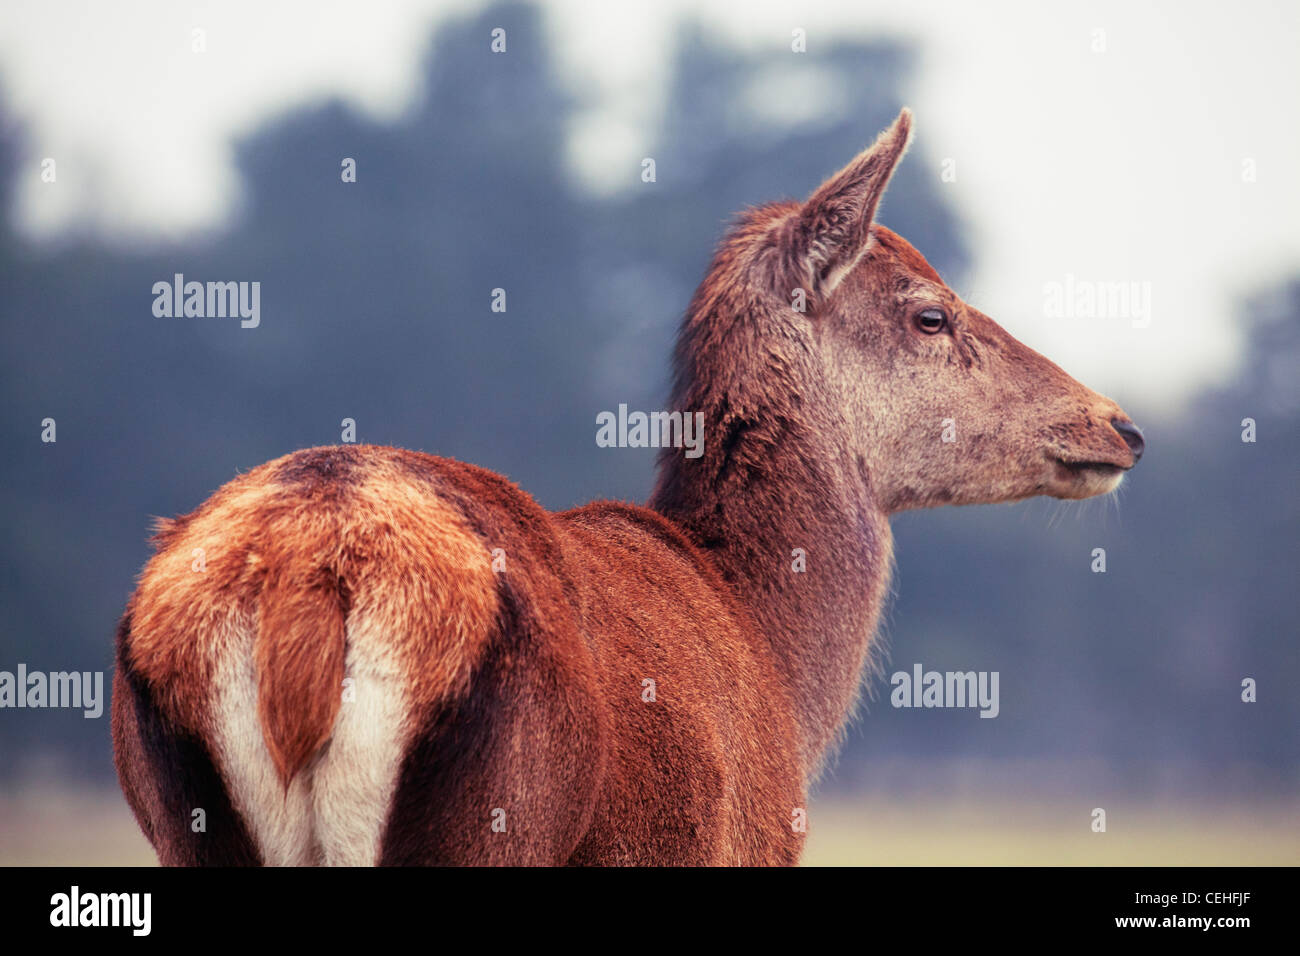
(361, 655)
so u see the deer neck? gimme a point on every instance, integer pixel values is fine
(788, 516)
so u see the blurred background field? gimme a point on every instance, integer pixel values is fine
(93, 827)
(1011, 832)
(476, 171)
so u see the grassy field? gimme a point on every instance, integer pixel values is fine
(46, 827)
(94, 828)
(1044, 834)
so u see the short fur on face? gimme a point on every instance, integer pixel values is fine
(964, 415)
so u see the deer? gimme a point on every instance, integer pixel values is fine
(363, 655)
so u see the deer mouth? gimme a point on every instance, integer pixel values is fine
(1093, 467)
(1085, 479)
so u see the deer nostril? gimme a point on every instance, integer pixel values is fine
(1132, 436)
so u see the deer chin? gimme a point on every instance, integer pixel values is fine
(1084, 479)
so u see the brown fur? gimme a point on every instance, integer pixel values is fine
(525, 685)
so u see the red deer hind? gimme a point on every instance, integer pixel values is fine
(358, 676)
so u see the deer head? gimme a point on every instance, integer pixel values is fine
(938, 402)
(841, 381)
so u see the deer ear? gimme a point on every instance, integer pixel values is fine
(833, 227)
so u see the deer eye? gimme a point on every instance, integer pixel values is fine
(931, 321)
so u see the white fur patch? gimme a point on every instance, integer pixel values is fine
(280, 823)
(353, 782)
(337, 806)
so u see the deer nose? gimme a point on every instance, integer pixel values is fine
(1132, 436)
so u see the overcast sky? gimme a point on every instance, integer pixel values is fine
(1146, 143)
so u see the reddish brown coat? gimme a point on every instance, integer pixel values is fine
(515, 701)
